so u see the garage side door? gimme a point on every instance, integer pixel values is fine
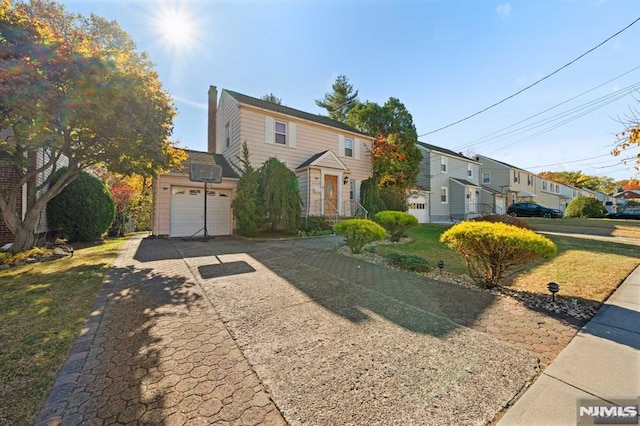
(187, 212)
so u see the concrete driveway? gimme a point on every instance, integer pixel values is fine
(337, 341)
(245, 332)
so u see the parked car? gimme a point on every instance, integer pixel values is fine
(532, 210)
(625, 214)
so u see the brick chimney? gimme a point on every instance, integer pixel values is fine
(211, 125)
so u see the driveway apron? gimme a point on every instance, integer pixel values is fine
(155, 351)
(337, 341)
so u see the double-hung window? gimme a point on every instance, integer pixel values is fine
(281, 133)
(469, 171)
(444, 195)
(348, 147)
(227, 135)
(486, 177)
(443, 164)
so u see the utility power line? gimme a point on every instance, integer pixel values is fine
(532, 84)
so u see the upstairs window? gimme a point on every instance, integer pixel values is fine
(227, 135)
(469, 171)
(443, 164)
(281, 133)
(486, 177)
(348, 147)
(516, 176)
(443, 195)
(544, 186)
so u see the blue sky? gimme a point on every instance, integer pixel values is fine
(444, 59)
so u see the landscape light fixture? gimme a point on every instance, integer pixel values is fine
(553, 288)
(440, 265)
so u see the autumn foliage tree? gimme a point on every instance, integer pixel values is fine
(396, 157)
(75, 90)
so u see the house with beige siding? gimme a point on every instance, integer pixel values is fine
(552, 194)
(329, 158)
(514, 183)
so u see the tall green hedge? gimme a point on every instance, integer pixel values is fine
(84, 210)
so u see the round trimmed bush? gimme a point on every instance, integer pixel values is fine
(84, 210)
(359, 232)
(502, 218)
(585, 207)
(396, 223)
(493, 251)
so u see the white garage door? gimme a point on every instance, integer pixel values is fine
(417, 206)
(187, 211)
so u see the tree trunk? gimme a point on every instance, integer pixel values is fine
(24, 239)
(24, 236)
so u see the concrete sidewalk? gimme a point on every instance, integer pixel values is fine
(601, 363)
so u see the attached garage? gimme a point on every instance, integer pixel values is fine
(187, 211)
(178, 209)
(418, 207)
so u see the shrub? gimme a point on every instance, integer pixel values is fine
(359, 232)
(502, 218)
(408, 262)
(314, 225)
(370, 196)
(493, 251)
(280, 195)
(84, 210)
(585, 207)
(394, 198)
(246, 205)
(396, 223)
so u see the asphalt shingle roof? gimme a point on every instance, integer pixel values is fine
(291, 111)
(444, 151)
(207, 158)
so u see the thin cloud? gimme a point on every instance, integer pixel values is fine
(189, 102)
(504, 10)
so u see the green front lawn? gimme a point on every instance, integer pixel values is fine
(42, 309)
(584, 268)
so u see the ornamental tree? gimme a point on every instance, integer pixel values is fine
(396, 157)
(74, 88)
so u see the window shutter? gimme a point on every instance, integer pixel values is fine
(341, 145)
(356, 149)
(269, 130)
(356, 194)
(292, 135)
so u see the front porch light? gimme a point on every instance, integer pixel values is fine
(345, 179)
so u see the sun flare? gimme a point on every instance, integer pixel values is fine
(176, 28)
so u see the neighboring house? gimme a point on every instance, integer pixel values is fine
(449, 184)
(9, 177)
(329, 158)
(551, 194)
(516, 184)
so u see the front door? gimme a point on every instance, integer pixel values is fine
(330, 194)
